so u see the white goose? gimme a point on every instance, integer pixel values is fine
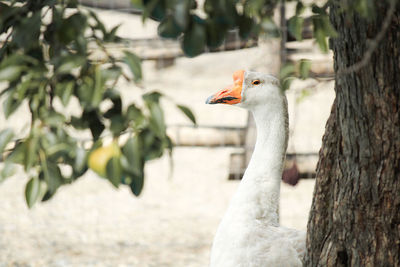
(249, 234)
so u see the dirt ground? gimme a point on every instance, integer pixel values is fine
(173, 222)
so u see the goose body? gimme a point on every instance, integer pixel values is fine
(249, 233)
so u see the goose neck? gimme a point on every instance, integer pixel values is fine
(262, 178)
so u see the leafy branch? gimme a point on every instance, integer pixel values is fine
(48, 64)
(372, 45)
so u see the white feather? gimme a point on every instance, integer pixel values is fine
(249, 234)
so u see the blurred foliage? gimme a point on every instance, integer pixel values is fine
(291, 71)
(203, 27)
(200, 28)
(47, 62)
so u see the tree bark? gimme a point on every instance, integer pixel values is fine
(355, 214)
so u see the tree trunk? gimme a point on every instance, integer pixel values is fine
(355, 215)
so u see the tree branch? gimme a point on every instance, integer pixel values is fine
(373, 44)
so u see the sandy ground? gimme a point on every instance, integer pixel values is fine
(90, 223)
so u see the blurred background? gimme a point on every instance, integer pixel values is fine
(172, 223)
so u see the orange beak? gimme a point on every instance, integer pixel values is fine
(231, 94)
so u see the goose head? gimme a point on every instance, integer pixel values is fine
(249, 90)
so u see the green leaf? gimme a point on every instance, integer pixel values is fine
(138, 4)
(84, 92)
(320, 37)
(134, 163)
(229, 13)
(56, 151)
(188, 113)
(157, 119)
(317, 10)
(319, 34)
(269, 27)
(168, 28)
(31, 156)
(295, 27)
(116, 108)
(322, 30)
(51, 174)
(49, 139)
(304, 68)
(64, 91)
(22, 88)
(118, 124)
(53, 118)
(69, 63)
(70, 4)
(112, 73)
(96, 126)
(10, 73)
(287, 70)
(181, 13)
(10, 105)
(134, 64)
(152, 97)
(17, 155)
(111, 36)
(80, 159)
(134, 114)
(155, 8)
(26, 34)
(153, 143)
(245, 26)
(329, 30)
(79, 123)
(32, 191)
(67, 93)
(136, 185)
(114, 171)
(17, 59)
(300, 8)
(99, 25)
(133, 154)
(216, 32)
(6, 136)
(194, 39)
(98, 87)
(7, 170)
(72, 28)
(148, 6)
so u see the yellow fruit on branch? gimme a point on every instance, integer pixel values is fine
(99, 158)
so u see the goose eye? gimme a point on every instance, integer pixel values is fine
(256, 82)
